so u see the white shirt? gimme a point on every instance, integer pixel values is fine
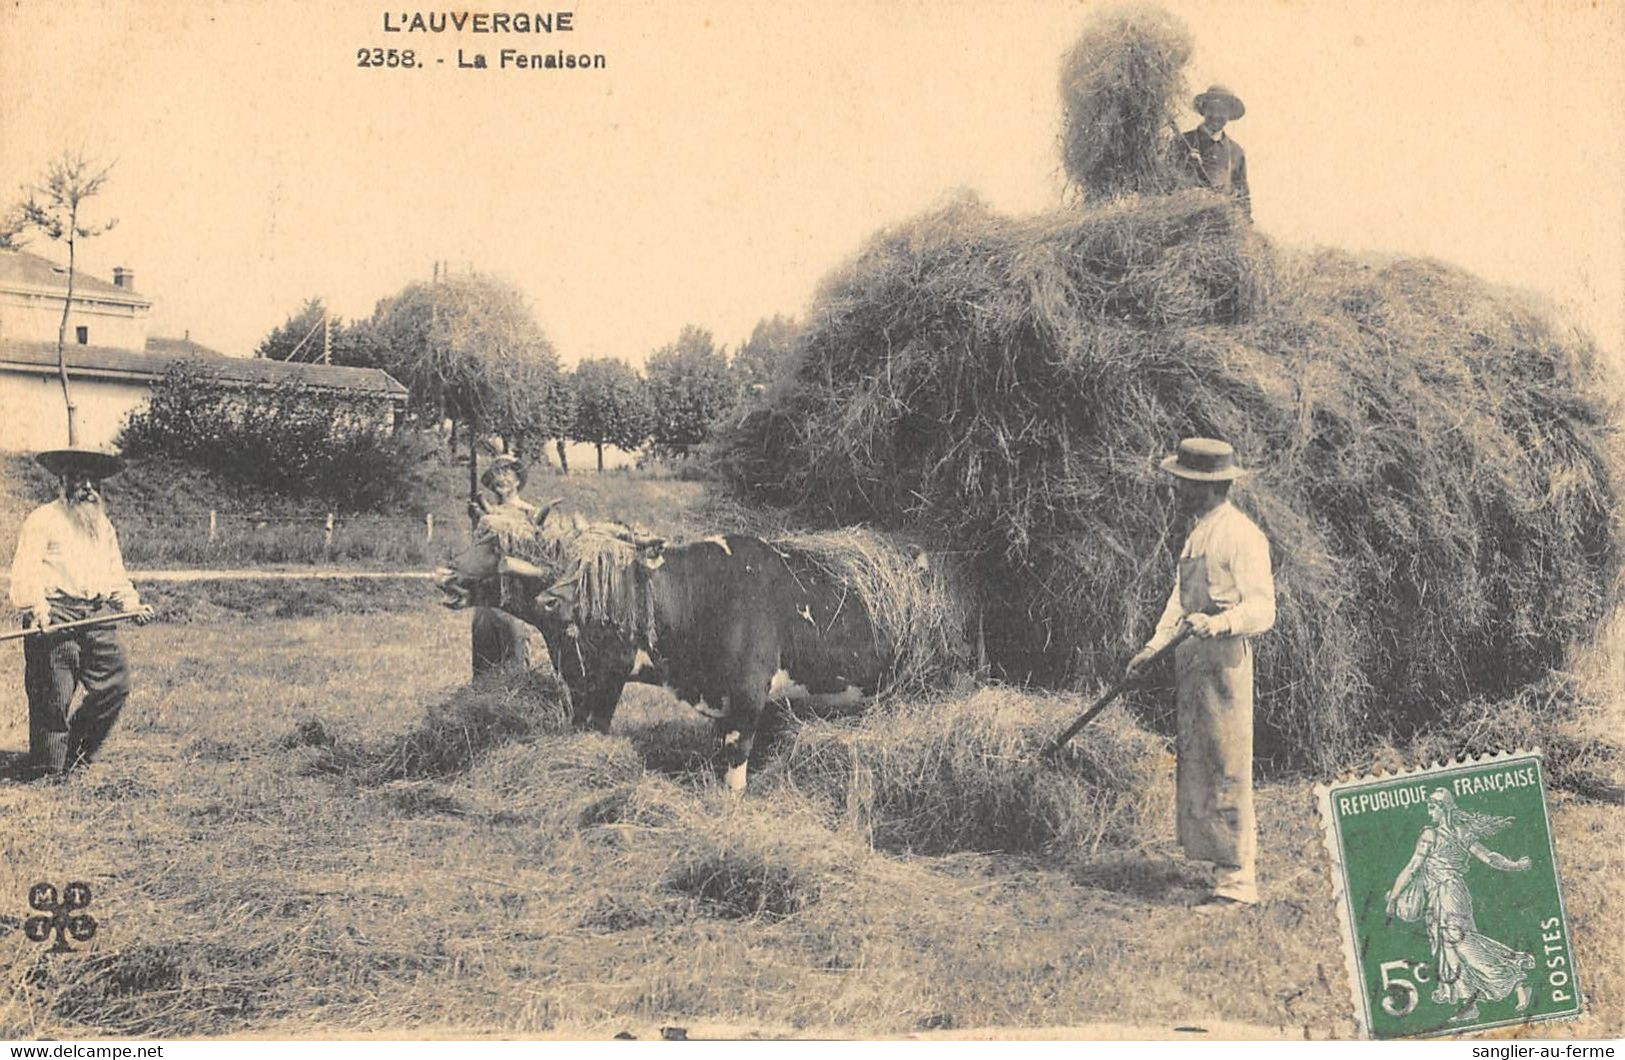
(1239, 579)
(55, 559)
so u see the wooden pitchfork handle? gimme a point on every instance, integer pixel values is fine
(78, 623)
(1116, 690)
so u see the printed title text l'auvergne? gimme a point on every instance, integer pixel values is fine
(409, 53)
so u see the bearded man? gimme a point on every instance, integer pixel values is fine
(67, 567)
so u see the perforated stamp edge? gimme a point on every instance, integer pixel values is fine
(1341, 899)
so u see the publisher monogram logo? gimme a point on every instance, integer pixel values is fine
(60, 916)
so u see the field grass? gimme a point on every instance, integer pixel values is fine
(582, 885)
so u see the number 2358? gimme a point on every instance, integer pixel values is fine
(386, 57)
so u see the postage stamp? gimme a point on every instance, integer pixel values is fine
(1448, 895)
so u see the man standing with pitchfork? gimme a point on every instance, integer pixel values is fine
(1225, 592)
(68, 568)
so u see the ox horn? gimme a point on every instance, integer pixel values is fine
(542, 513)
(564, 584)
(635, 538)
(522, 568)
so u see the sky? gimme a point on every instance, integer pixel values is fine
(730, 154)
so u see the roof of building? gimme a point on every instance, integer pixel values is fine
(160, 354)
(20, 270)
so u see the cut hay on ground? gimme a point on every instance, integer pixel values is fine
(1434, 460)
(760, 862)
(773, 857)
(1579, 737)
(969, 775)
(564, 780)
(513, 705)
(509, 705)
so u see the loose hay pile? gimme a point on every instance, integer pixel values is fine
(968, 774)
(1435, 463)
(1119, 84)
(565, 780)
(915, 603)
(755, 863)
(508, 706)
(1578, 735)
(512, 705)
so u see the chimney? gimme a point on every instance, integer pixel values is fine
(123, 277)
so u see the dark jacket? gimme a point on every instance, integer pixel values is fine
(1222, 165)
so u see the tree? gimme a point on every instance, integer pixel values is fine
(313, 329)
(541, 406)
(762, 357)
(11, 229)
(689, 388)
(468, 348)
(567, 409)
(298, 440)
(611, 406)
(52, 208)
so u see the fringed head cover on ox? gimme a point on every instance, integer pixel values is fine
(591, 572)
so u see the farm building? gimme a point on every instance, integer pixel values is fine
(113, 362)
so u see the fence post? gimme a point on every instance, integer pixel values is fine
(212, 528)
(327, 540)
(428, 528)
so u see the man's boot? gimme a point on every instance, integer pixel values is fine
(50, 755)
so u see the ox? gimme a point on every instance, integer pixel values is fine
(731, 622)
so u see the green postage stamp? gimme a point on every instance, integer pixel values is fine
(1447, 888)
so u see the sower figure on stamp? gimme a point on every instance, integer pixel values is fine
(1225, 592)
(500, 640)
(1432, 887)
(1212, 157)
(68, 567)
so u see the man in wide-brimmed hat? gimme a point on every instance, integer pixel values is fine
(1225, 592)
(1214, 159)
(499, 640)
(68, 567)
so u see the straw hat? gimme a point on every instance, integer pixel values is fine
(503, 460)
(1204, 460)
(97, 464)
(1218, 95)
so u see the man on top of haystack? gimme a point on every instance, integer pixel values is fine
(1215, 160)
(68, 567)
(1224, 590)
